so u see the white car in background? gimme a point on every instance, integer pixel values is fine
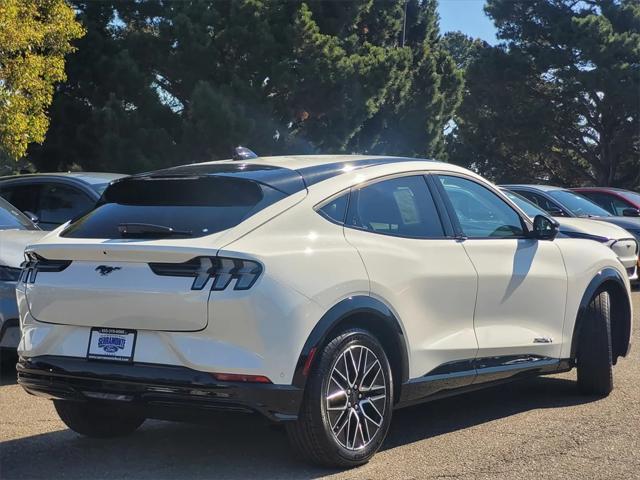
(616, 238)
(322, 292)
(16, 232)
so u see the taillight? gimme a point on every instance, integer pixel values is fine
(35, 264)
(223, 270)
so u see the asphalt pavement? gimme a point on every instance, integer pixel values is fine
(540, 428)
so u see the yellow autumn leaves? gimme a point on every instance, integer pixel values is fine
(35, 36)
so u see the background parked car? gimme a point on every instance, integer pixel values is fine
(16, 232)
(560, 202)
(616, 238)
(53, 198)
(616, 201)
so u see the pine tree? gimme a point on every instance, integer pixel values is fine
(168, 82)
(559, 99)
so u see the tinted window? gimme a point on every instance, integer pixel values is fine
(336, 209)
(24, 196)
(547, 205)
(481, 213)
(400, 206)
(60, 203)
(197, 206)
(578, 205)
(525, 205)
(610, 203)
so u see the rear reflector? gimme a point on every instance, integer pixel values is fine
(307, 363)
(238, 377)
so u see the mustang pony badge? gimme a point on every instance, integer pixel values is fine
(105, 270)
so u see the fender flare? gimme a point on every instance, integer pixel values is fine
(603, 276)
(359, 304)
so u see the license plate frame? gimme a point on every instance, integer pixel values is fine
(112, 344)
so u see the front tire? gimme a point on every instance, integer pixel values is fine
(595, 362)
(347, 405)
(98, 420)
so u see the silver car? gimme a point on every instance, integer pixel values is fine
(16, 232)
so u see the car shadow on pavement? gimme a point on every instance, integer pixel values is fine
(243, 446)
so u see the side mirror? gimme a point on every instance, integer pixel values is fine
(32, 216)
(631, 212)
(544, 228)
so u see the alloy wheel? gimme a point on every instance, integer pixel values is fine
(356, 397)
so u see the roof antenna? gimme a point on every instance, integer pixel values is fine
(243, 153)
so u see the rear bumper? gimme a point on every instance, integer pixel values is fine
(161, 391)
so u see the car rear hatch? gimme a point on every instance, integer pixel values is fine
(101, 271)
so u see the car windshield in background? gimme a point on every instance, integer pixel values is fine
(578, 205)
(11, 218)
(631, 196)
(525, 205)
(173, 206)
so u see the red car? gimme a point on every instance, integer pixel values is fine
(619, 202)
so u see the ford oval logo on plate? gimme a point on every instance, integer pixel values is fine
(111, 344)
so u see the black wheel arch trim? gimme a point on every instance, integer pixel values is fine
(603, 276)
(340, 312)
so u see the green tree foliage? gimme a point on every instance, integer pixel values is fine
(162, 82)
(559, 100)
(462, 48)
(35, 36)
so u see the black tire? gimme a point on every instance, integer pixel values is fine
(312, 436)
(594, 354)
(98, 420)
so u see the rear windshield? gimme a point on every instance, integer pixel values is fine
(191, 206)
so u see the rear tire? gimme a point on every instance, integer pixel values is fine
(346, 410)
(595, 362)
(98, 420)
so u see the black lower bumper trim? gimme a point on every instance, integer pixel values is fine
(154, 388)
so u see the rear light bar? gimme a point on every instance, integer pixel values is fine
(35, 263)
(222, 269)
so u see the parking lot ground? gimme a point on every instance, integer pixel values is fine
(534, 429)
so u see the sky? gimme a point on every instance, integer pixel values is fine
(468, 17)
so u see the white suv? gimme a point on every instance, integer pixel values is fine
(320, 291)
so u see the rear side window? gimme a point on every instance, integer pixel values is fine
(336, 209)
(60, 203)
(190, 207)
(399, 206)
(24, 197)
